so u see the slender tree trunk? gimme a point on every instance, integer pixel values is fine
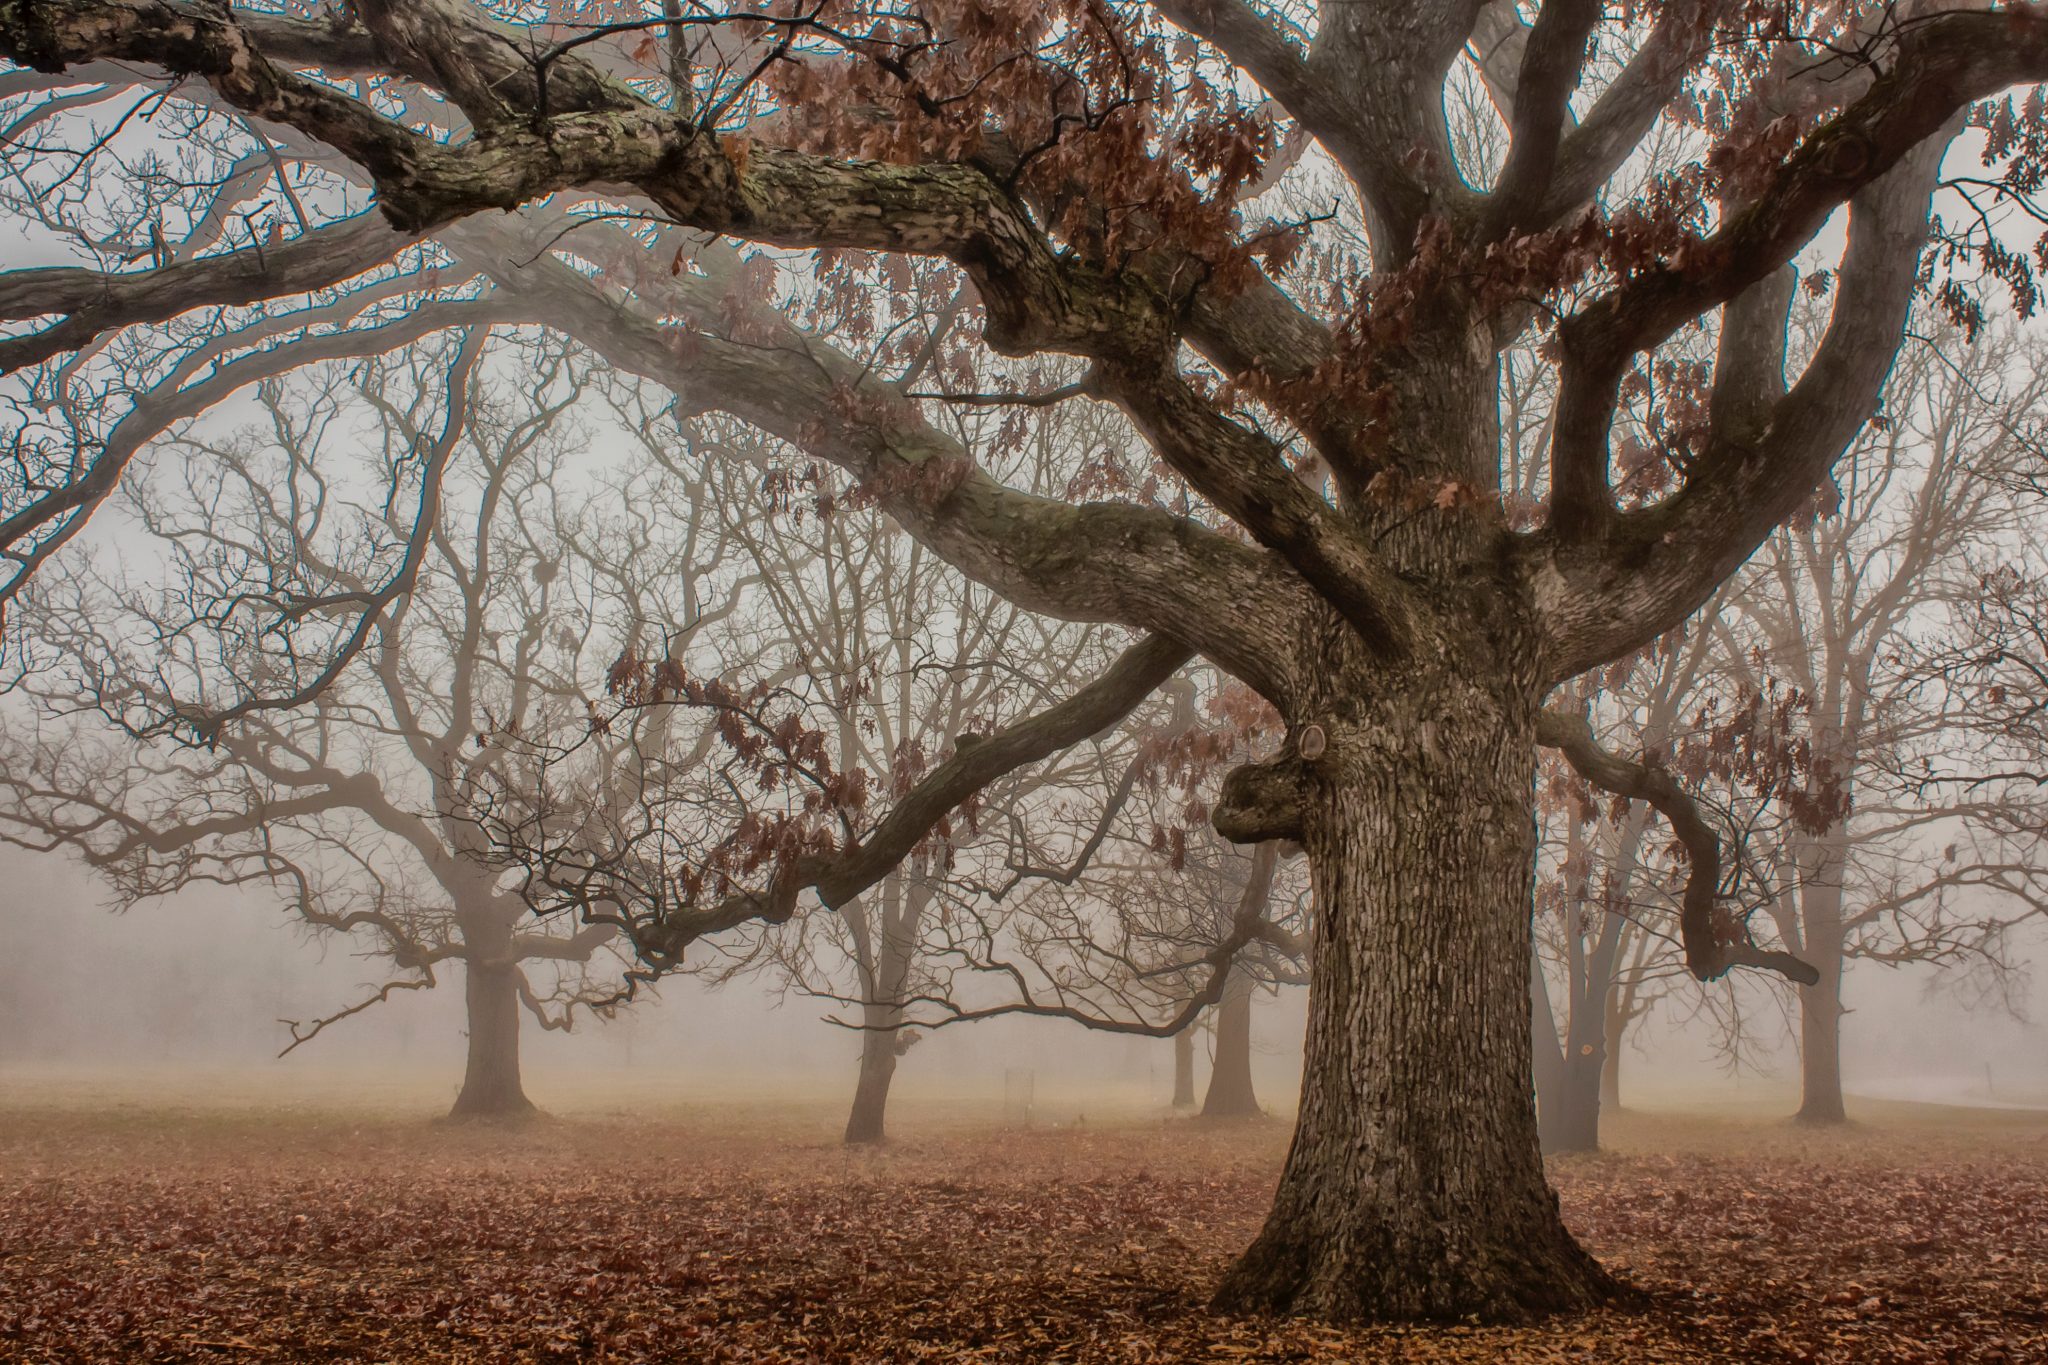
(877, 1068)
(1820, 1005)
(491, 1087)
(1610, 1068)
(1230, 1077)
(1546, 1062)
(1572, 1124)
(1184, 1068)
(1624, 1006)
(1567, 1079)
(1820, 1039)
(1415, 1186)
(899, 912)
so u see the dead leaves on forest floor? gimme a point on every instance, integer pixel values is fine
(572, 1240)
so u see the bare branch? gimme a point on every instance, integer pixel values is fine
(1708, 953)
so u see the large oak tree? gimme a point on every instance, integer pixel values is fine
(1324, 388)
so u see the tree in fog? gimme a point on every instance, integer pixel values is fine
(352, 805)
(1989, 664)
(1871, 868)
(1325, 386)
(1796, 711)
(1602, 890)
(895, 657)
(972, 859)
(1231, 1092)
(1118, 906)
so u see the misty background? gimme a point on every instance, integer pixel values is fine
(188, 991)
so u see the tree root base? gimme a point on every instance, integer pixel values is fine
(1285, 1275)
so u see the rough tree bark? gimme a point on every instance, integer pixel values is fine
(1415, 1185)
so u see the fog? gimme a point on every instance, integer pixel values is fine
(180, 1000)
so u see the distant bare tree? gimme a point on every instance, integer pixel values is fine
(1833, 606)
(353, 803)
(1607, 893)
(1791, 709)
(1120, 909)
(900, 663)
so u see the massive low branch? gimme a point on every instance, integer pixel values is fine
(1097, 561)
(840, 877)
(1708, 952)
(1036, 300)
(93, 302)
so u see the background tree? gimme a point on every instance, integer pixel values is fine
(1787, 707)
(901, 663)
(1607, 893)
(352, 805)
(1085, 169)
(1127, 897)
(1833, 608)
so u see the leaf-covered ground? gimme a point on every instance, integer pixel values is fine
(134, 1235)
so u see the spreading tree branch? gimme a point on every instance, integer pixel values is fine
(1708, 952)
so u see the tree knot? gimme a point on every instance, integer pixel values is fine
(1260, 801)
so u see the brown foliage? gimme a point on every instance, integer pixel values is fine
(279, 1238)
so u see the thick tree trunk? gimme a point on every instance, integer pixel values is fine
(1415, 1185)
(877, 1068)
(491, 1087)
(1230, 1076)
(1184, 1068)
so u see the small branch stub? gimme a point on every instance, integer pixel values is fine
(1312, 743)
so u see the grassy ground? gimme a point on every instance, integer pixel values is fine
(234, 1226)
